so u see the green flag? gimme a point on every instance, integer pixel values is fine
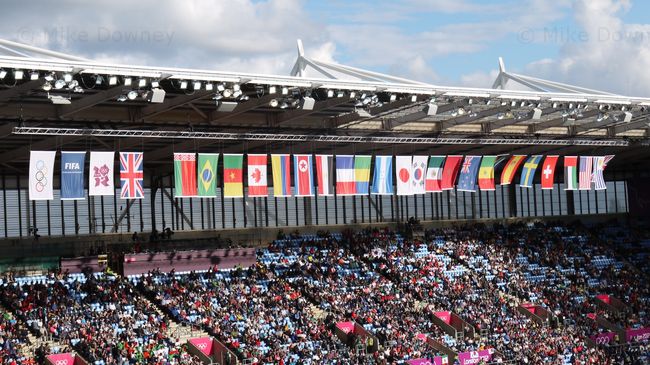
(208, 174)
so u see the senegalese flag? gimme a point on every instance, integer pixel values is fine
(185, 174)
(528, 172)
(486, 173)
(233, 186)
(281, 166)
(570, 172)
(362, 174)
(508, 173)
(208, 174)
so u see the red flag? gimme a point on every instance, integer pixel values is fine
(257, 182)
(450, 172)
(303, 175)
(548, 171)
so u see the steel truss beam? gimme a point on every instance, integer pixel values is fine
(308, 138)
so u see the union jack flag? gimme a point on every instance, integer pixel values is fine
(131, 175)
(584, 174)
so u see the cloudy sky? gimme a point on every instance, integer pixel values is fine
(602, 44)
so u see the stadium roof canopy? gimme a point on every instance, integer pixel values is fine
(53, 100)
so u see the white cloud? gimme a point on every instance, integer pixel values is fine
(614, 55)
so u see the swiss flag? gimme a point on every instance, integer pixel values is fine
(303, 175)
(548, 171)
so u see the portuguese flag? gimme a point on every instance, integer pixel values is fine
(185, 174)
(232, 176)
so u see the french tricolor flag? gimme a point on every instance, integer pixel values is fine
(345, 180)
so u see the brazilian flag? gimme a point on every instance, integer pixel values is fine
(208, 174)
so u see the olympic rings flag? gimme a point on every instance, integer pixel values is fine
(41, 175)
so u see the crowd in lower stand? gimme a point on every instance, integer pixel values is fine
(101, 317)
(285, 309)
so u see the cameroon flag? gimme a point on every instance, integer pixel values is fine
(233, 186)
(208, 174)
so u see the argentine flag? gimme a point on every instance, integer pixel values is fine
(382, 181)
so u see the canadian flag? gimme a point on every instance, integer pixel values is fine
(257, 184)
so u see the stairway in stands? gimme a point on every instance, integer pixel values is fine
(34, 341)
(178, 331)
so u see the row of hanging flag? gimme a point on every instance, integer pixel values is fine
(312, 174)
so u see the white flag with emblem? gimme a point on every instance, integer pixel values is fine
(101, 173)
(41, 175)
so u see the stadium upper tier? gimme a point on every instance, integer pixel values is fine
(46, 89)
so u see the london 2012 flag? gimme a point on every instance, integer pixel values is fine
(207, 165)
(185, 175)
(382, 180)
(101, 173)
(72, 175)
(303, 176)
(41, 175)
(418, 172)
(257, 180)
(131, 175)
(403, 172)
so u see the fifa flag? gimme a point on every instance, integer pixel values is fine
(382, 181)
(208, 174)
(584, 174)
(468, 172)
(528, 172)
(100, 177)
(509, 171)
(345, 180)
(600, 163)
(450, 172)
(418, 170)
(233, 185)
(257, 180)
(486, 173)
(403, 173)
(281, 166)
(132, 175)
(362, 174)
(72, 175)
(324, 165)
(433, 180)
(303, 177)
(570, 172)
(184, 175)
(41, 175)
(548, 171)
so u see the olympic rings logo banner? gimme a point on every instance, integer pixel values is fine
(41, 175)
(204, 344)
(61, 359)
